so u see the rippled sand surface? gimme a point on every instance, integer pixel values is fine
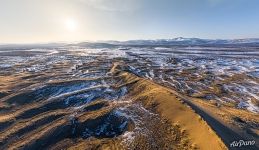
(80, 98)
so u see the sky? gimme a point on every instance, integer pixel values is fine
(41, 21)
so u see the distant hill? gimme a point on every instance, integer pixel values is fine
(190, 41)
(180, 41)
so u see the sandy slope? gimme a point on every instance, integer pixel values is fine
(230, 124)
(50, 123)
(168, 106)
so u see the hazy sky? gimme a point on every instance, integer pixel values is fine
(31, 21)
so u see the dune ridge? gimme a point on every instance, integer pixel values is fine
(169, 106)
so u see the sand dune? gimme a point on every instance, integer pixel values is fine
(100, 100)
(170, 107)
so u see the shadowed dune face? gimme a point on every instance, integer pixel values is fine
(75, 97)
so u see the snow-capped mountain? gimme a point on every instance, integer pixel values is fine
(180, 41)
(188, 41)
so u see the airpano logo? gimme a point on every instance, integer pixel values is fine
(241, 143)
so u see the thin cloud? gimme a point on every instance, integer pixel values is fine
(114, 5)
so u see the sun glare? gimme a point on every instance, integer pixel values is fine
(71, 25)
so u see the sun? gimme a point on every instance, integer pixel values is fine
(71, 25)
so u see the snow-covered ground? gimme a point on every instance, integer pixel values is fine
(212, 73)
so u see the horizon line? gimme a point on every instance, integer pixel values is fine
(103, 41)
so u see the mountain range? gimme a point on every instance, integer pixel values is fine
(180, 41)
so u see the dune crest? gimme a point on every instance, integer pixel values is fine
(164, 102)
